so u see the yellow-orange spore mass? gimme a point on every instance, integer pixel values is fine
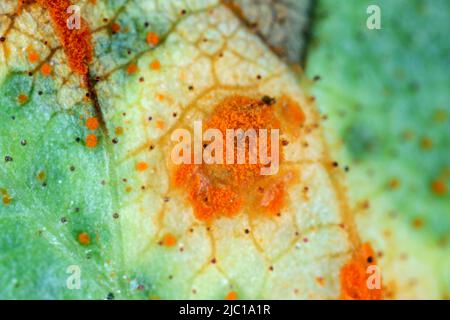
(169, 240)
(439, 187)
(232, 295)
(115, 27)
(46, 69)
(6, 200)
(92, 123)
(155, 65)
(84, 238)
(152, 38)
(225, 189)
(354, 276)
(291, 110)
(91, 140)
(33, 56)
(22, 98)
(141, 166)
(76, 42)
(132, 68)
(6, 197)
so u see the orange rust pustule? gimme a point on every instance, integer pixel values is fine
(77, 43)
(354, 276)
(225, 189)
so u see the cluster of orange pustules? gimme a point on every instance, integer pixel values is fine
(355, 281)
(224, 189)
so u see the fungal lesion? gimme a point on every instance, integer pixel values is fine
(225, 188)
(6, 197)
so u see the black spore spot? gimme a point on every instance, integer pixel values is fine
(268, 100)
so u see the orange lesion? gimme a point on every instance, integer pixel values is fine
(273, 198)
(439, 187)
(132, 68)
(6, 198)
(115, 27)
(76, 42)
(152, 38)
(119, 131)
(141, 166)
(232, 295)
(155, 65)
(355, 276)
(291, 110)
(33, 56)
(394, 183)
(320, 281)
(22, 98)
(83, 238)
(92, 123)
(91, 140)
(160, 124)
(426, 143)
(216, 190)
(46, 69)
(41, 175)
(169, 240)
